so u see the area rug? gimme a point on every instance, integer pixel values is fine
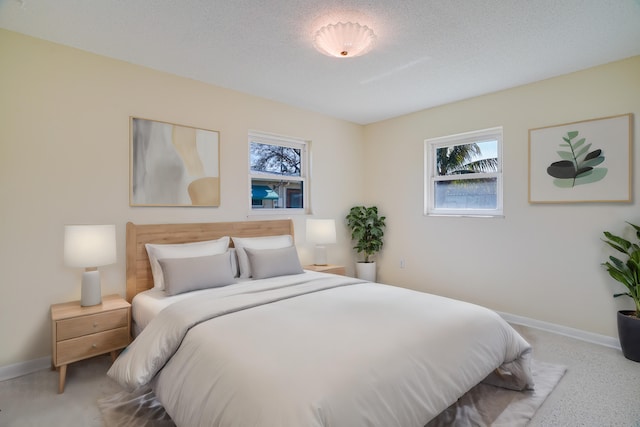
(486, 405)
(483, 406)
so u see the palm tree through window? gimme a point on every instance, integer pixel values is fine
(464, 174)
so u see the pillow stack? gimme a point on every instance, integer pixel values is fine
(184, 267)
(179, 268)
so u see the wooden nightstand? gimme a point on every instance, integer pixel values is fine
(83, 332)
(329, 268)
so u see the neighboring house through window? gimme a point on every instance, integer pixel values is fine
(463, 174)
(278, 171)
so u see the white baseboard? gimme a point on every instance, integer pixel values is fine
(23, 368)
(579, 334)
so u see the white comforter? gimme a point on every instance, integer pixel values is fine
(320, 350)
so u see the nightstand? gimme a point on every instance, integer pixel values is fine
(83, 332)
(329, 268)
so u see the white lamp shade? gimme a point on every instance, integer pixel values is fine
(321, 231)
(89, 245)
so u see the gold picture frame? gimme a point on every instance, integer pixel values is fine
(581, 162)
(173, 165)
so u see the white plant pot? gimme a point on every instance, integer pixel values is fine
(366, 271)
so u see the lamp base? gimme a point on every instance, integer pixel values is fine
(320, 257)
(91, 293)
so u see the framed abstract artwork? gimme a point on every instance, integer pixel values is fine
(173, 165)
(585, 161)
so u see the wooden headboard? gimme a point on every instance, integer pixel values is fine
(139, 276)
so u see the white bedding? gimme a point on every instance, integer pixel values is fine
(147, 304)
(319, 350)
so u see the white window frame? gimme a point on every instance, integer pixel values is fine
(431, 145)
(305, 167)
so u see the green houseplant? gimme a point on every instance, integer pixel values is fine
(367, 230)
(627, 272)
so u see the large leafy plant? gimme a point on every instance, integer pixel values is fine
(626, 271)
(367, 230)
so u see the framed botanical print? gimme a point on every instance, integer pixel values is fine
(585, 161)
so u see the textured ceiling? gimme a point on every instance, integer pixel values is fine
(428, 52)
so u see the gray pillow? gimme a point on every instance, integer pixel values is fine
(273, 262)
(190, 274)
(266, 242)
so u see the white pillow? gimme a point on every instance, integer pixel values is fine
(234, 262)
(267, 263)
(268, 242)
(181, 250)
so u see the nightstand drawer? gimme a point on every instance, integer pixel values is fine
(84, 325)
(91, 345)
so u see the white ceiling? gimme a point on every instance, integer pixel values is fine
(428, 52)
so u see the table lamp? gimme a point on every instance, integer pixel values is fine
(321, 232)
(90, 246)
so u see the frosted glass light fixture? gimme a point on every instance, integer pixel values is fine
(344, 39)
(90, 246)
(321, 232)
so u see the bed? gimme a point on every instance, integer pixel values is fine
(286, 347)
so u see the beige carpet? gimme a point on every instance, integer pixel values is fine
(484, 405)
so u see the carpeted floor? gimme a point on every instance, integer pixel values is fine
(599, 389)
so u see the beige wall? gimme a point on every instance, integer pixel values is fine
(64, 159)
(539, 261)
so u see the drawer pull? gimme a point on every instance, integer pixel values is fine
(95, 325)
(94, 346)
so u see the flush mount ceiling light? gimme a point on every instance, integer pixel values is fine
(344, 39)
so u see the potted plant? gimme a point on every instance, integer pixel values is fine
(627, 272)
(367, 230)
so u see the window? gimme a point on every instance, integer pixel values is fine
(463, 174)
(278, 171)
